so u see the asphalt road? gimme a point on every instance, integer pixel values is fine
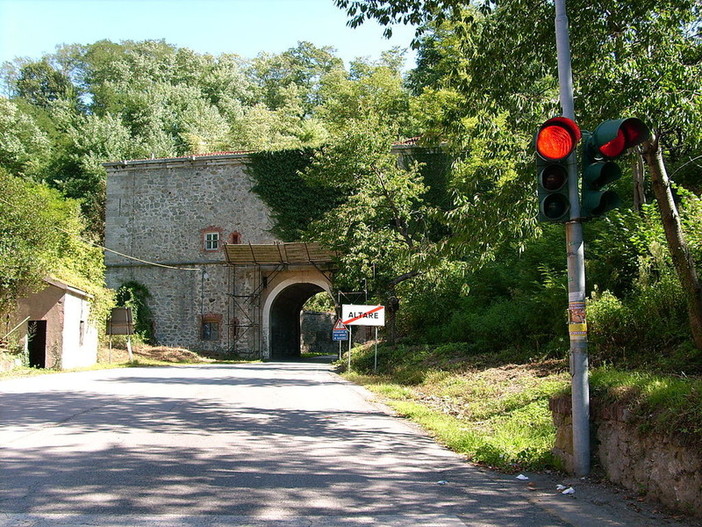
(271, 444)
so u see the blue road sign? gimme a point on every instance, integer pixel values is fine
(340, 334)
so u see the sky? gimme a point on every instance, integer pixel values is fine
(32, 28)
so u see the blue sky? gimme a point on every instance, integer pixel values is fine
(31, 28)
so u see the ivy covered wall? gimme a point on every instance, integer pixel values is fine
(296, 202)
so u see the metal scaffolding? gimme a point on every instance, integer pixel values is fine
(264, 262)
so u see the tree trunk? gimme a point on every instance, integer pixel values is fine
(639, 194)
(682, 259)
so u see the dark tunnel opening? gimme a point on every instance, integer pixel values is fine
(285, 320)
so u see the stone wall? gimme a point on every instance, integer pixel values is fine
(162, 211)
(316, 332)
(654, 466)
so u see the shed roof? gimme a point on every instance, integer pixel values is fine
(60, 284)
(299, 253)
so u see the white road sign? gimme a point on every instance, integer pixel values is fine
(355, 315)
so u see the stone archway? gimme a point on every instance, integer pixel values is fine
(281, 313)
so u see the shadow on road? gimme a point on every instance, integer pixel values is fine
(82, 452)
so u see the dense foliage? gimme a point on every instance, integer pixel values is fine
(136, 297)
(446, 235)
(484, 96)
(41, 236)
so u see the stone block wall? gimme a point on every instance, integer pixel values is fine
(654, 466)
(160, 208)
(161, 211)
(316, 329)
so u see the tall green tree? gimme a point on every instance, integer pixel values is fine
(76, 163)
(40, 84)
(380, 226)
(24, 147)
(369, 88)
(304, 66)
(636, 57)
(40, 236)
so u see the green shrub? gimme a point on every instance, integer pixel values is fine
(135, 295)
(639, 329)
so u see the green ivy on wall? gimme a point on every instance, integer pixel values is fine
(294, 202)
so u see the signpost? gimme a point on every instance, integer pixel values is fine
(339, 334)
(580, 398)
(121, 323)
(361, 315)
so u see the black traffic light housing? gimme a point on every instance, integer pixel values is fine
(555, 142)
(608, 142)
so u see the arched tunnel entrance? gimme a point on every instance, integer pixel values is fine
(285, 312)
(270, 284)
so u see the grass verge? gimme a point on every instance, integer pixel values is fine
(493, 408)
(493, 413)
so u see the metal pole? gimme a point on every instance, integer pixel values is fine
(375, 364)
(576, 267)
(350, 340)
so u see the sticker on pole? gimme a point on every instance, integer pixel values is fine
(340, 332)
(354, 315)
(577, 320)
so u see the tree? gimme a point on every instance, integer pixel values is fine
(380, 224)
(304, 66)
(23, 145)
(260, 128)
(76, 167)
(680, 253)
(639, 58)
(40, 236)
(368, 89)
(40, 84)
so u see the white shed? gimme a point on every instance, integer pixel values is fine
(57, 332)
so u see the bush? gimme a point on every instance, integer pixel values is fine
(135, 296)
(641, 327)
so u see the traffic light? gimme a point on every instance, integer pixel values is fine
(555, 141)
(608, 142)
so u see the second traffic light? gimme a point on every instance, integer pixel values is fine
(555, 142)
(609, 141)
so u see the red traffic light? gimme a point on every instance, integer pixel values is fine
(614, 137)
(557, 138)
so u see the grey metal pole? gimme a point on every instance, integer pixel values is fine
(375, 363)
(577, 326)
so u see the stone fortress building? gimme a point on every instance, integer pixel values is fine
(192, 231)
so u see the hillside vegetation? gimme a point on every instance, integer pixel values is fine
(447, 237)
(494, 408)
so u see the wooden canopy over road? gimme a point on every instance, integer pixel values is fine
(299, 253)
